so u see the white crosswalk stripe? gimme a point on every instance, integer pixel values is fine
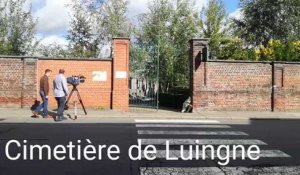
(179, 126)
(150, 132)
(161, 154)
(180, 171)
(282, 170)
(155, 132)
(176, 121)
(202, 142)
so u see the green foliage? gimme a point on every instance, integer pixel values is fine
(82, 43)
(17, 28)
(232, 49)
(163, 36)
(184, 26)
(95, 23)
(268, 19)
(278, 51)
(289, 51)
(213, 24)
(251, 54)
(53, 50)
(140, 62)
(268, 31)
(5, 48)
(113, 21)
(295, 47)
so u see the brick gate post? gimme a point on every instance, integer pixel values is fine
(120, 74)
(198, 56)
(29, 82)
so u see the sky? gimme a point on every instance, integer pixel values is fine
(53, 16)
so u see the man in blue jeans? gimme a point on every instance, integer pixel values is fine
(44, 92)
(60, 92)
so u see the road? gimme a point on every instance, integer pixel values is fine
(279, 141)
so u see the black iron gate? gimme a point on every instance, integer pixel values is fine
(143, 84)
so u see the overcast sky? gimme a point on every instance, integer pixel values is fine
(53, 18)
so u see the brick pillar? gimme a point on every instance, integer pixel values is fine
(278, 94)
(29, 82)
(11, 73)
(198, 56)
(120, 72)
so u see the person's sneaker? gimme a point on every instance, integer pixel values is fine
(64, 118)
(58, 119)
(35, 114)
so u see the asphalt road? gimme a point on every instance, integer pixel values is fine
(279, 141)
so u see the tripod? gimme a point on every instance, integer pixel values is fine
(78, 96)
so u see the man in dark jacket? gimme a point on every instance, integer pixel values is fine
(44, 92)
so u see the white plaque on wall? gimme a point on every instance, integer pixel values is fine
(121, 74)
(99, 76)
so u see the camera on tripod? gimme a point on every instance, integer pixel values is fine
(76, 80)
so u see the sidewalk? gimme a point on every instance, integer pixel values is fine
(24, 116)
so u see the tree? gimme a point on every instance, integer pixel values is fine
(153, 40)
(232, 49)
(113, 21)
(293, 8)
(17, 28)
(184, 27)
(275, 50)
(213, 24)
(82, 42)
(53, 50)
(95, 23)
(264, 20)
(163, 36)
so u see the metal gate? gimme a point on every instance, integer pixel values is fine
(143, 84)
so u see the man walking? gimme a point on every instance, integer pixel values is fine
(44, 93)
(60, 92)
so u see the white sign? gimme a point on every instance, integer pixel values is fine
(121, 74)
(99, 76)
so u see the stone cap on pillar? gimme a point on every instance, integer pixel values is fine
(121, 38)
(200, 45)
(201, 41)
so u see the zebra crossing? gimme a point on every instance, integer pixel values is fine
(186, 132)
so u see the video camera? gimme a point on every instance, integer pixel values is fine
(76, 80)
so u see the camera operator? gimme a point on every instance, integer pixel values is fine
(60, 92)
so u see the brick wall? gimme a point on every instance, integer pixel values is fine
(242, 86)
(19, 79)
(235, 86)
(95, 94)
(11, 74)
(29, 88)
(287, 91)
